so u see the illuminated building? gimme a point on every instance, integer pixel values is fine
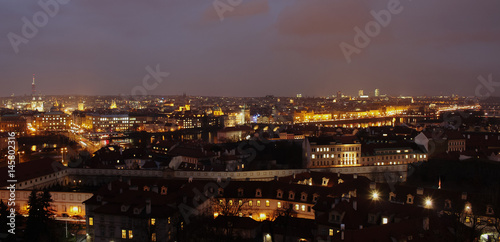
(245, 115)
(81, 106)
(347, 151)
(392, 154)
(360, 93)
(377, 92)
(233, 119)
(64, 204)
(52, 121)
(113, 105)
(13, 123)
(37, 104)
(188, 119)
(106, 122)
(328, 152)
(132, 213)
(305, 116)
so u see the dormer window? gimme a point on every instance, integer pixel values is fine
(279, 193)
(325, 181)
(164, 190)
(303, 196)
(392, 196)
(335, 217)
(409, 199)
(489, 210)
(291, 195)
(447, 204)
(137, 211)
(258, 193)
(146, 188)
(315, 197)
(221, 191)
(124, 208)
(240, 192)
(420, 191)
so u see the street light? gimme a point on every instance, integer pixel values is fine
(428, 202)
(375, 195)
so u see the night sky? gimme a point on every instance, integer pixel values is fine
(261, 47)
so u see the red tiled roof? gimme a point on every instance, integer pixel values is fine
(32, 169)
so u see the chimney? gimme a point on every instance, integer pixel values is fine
(342, 228)
(464, 196)
(355, 205)
(420, 191)
(148, 206)
(425, 223)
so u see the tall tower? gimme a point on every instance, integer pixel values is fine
(377, 92)
(33, 89)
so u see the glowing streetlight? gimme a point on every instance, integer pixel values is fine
(375, 195)
(428, 202)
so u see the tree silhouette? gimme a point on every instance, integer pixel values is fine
(38, 225)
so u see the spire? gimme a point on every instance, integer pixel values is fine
(33, 89)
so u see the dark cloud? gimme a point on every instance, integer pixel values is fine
(280, 47)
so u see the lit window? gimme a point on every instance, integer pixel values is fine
(250, 203)
(385, 220)
(330, 232)
(240, 202)
(153, 237)
(303, 208)
(91, 221)
(297, 207)
(258, 203)
(124, 234)
(279, 204)
(153, 221)
(267, 203)
(130, 235)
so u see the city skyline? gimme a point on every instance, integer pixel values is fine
(251, 49)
